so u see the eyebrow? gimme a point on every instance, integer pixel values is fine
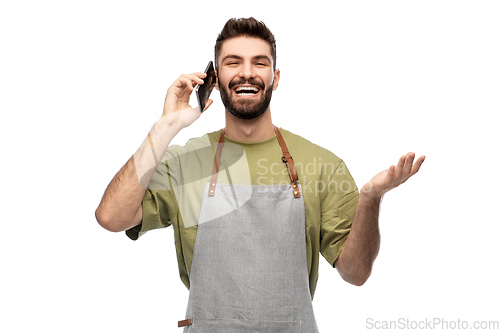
(237, 57)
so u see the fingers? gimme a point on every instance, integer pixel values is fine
(406, 171)
(178, 94)
(187, 81)
(190, 81)
(399, 168)
(408, 163)
(410, 168)
(391, 178)
(417, 165)
(390, 174)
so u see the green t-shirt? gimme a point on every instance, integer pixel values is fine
(175, 192)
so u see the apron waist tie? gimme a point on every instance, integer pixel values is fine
(185, 322)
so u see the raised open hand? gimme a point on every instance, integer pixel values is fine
(391, 178)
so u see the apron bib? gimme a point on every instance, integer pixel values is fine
(249, 269)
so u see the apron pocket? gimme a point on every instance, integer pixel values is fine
(209, 325)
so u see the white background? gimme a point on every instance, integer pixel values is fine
(82, 82)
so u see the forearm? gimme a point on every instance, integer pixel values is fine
(121, 202)
(362, 245)
(120, 207)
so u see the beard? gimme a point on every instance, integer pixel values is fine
(246, 108)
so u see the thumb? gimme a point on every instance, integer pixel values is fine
(208, 102)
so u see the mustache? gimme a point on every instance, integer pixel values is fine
(253, 82)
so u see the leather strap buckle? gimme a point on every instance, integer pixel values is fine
(215, 170)
(288, 160)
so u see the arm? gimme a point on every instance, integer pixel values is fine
(355, 262)
(121, 205)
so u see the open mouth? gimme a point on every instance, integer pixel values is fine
(246, 90)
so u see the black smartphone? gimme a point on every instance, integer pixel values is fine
(203, 91)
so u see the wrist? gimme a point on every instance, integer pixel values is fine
(371, 193)
(180, 119)
(171, 120)
(150, 153)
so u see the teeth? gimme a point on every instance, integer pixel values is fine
(247, 89)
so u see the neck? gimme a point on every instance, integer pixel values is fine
(249, 130)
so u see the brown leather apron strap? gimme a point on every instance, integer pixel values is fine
(286, 158)
(215, 170)
(185, 322)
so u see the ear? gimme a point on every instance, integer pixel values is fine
(276, 79)
(216, 80)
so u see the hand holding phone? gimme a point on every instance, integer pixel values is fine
(203, 91)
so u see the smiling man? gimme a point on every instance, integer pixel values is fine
(252, 205)
(247, 96)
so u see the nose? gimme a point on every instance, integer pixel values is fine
(247, 71)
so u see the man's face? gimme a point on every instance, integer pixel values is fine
(246, 79)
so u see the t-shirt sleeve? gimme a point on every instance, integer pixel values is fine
(158, 205)
(338, 205)
(155, 214)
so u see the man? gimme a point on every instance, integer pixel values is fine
(249, 220)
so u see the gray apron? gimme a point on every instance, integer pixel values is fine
(249, 269)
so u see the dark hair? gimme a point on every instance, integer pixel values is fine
(249, 27)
